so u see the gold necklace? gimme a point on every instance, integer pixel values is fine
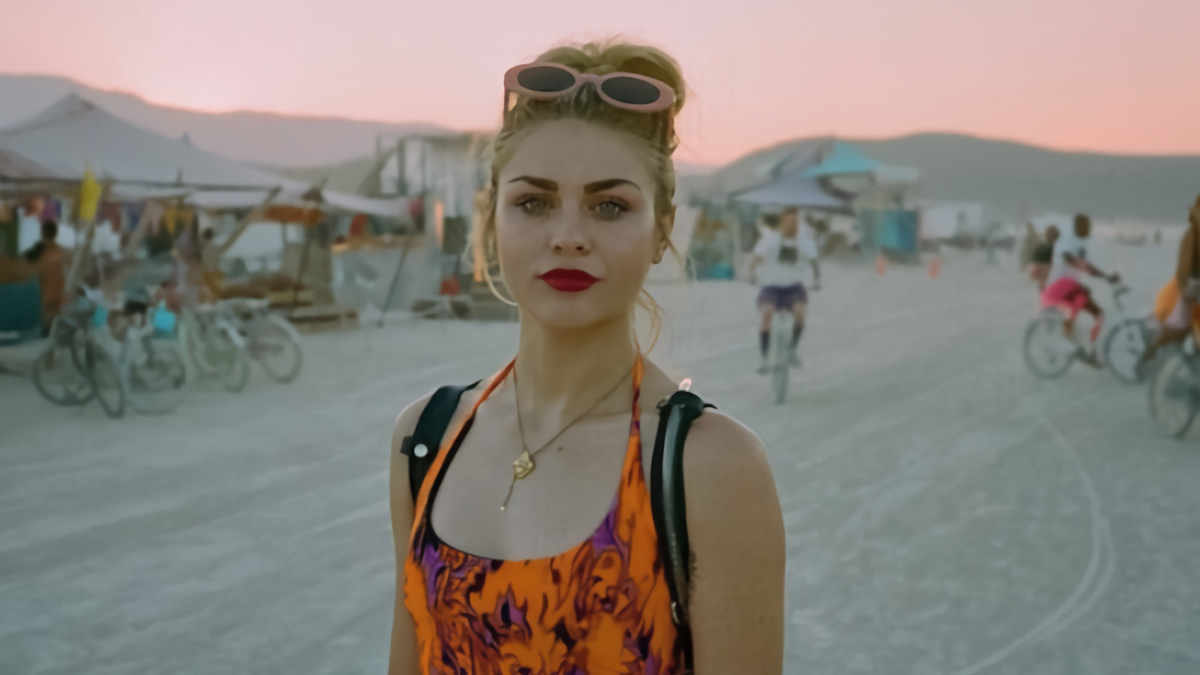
(524, 465)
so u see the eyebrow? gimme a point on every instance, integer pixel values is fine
(598, 186)
(601, 185)
(542, 183)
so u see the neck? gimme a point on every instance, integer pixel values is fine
(559, 372)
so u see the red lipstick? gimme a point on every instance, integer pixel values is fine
(569, 281)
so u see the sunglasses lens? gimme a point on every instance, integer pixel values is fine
(545, 79)
(630, 90)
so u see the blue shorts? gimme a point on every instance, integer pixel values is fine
(782, 298)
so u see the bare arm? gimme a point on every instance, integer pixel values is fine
(1081, 264)
(403, 659)
(735, 527)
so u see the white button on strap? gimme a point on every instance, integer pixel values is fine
(420, 450)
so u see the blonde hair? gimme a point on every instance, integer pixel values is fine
(657, 130)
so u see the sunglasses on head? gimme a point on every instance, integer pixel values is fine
(629, 91)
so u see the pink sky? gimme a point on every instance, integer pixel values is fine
(1105, 75)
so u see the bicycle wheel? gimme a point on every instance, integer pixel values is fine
(58, 380)
(274, 344)
(98, 366)
(218, 351)
(1174, 395)
(781, 338)
(1123, 350)
(1046, 348)
(156, 376)
(195, 335)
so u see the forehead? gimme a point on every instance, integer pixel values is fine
(574, 153)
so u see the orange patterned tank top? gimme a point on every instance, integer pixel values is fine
(600, 608)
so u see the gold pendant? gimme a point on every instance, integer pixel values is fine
(523, 466)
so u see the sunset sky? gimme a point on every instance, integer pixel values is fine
(1107, 75)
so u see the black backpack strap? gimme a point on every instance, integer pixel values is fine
(426, 440)
(668, 501)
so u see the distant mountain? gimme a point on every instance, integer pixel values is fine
(1020, 180)
(266, 138)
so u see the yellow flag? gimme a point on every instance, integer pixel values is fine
(89, 196)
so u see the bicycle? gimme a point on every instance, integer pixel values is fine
(152, 366)
(1049, 353)
(1127, 341)
(269, 338)
(779, 352)
(216, 347)
(75, 367)
(1173, 390)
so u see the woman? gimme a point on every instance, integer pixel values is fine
(501, 567)
(1175, 305)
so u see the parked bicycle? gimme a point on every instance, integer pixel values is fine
(75, 367)
(269, 338)
(149, 355)
(216, 347)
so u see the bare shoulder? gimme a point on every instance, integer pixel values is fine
(722, 454)
(406, 421)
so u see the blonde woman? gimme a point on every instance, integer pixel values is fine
(531, 547)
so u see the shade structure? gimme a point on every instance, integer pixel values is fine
(67, 138)
(794, 190)
(328, 201)
(60, 143)
(845, 160)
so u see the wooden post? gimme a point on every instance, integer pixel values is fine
(246, 221)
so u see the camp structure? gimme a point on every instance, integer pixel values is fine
(878, 192)
(49, 154)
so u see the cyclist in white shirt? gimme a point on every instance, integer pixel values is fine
(1067, 293)
(778, 266)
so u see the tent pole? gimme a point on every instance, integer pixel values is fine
(246, 221)
(300, 272)
(395, 278)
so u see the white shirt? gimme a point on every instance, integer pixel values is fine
(1059, 268)
(29, 231)
(786, 260)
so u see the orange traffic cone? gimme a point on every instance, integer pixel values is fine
(935, 268)
(880, 264)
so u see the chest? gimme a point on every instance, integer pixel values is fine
(570, 491)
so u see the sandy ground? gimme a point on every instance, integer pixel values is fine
(946, 512)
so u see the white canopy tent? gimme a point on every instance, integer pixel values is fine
(62, 141)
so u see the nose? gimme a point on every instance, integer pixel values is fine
(569, 236)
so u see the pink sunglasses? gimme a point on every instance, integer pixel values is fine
(629, 91)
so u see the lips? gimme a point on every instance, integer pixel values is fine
(569, 281)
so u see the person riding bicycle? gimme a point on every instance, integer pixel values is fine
(1176, 304)
(1066, 292)
(780, 253)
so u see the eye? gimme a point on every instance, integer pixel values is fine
(609, 210)
(533, 205)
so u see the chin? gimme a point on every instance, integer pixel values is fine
(569, 312)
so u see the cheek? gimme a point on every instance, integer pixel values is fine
(630, 251)
(513, 241)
